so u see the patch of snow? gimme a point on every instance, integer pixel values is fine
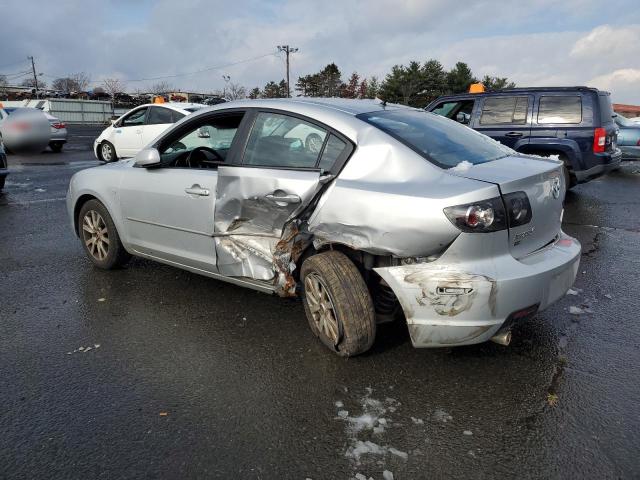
(571, 291)
(467, 432)
(608, 295)
(417, 421)
(378, 430)
(399, 453)
(339, 404)
(360, 448)
(365, 421)
(40, 190)
(360, 476)
(387, 475)
(102, 299)
(462, 166)
(343, 413)
(573, 310)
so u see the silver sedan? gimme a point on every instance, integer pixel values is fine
(393, 212)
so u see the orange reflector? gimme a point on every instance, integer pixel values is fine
(476, 88)
(1, 106)
(158, 100)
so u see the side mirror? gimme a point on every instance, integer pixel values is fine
(463, 118)
(147, 157)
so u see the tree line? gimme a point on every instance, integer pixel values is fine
(414, 84)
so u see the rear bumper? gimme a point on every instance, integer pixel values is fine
(451, 302)
(630, 152)
(607, 162)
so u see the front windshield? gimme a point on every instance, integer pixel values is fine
(443, 142)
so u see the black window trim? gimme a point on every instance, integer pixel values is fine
(560, 94)
(337, 166)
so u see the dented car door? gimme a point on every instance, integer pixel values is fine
(278, 177)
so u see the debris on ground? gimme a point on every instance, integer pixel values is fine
(608, 295)
(101, 299)
(467, 432)
(417, 421)
(442, 416)
(552, 399)
(571, 291)
(573, 310)
(164, 414)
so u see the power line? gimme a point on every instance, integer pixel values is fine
(12, 64)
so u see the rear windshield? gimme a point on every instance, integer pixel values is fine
(443, 142)
(606, 109)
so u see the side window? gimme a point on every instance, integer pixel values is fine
(332, 151)
(175, 116)
(504, 110)
(460, 110)
(159, 115)
(560, 109)
(205, 145)
(134, 118)
(282, 141)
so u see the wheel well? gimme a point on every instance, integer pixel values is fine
(76, 210)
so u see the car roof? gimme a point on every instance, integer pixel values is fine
(506, 91)
(179, 106)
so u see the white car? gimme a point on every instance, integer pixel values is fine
(138, 127)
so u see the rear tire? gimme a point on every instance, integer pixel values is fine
(56, 147)
(2, 179)
(99, 236)
(107, 152)
(338, 304)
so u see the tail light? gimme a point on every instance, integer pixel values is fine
(485, 216)
(599, 140)
(59, 126)
(491, 215)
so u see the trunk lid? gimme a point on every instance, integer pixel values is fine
(542, 180)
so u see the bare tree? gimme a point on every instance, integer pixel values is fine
(81, 81)
(161, 88)
(3, 85)
(234, 91)
(113, 86)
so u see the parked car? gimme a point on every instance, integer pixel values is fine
(58, 133)
(24, 129)
(399, 208)
(575, 123)
(4, 167)
(628, 137)
(136, 128)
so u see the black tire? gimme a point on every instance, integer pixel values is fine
(350, 302)
(56, 147)
(116, 255)
(570, 180)
(109, 145)
(2, 179)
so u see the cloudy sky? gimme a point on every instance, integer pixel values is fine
(535, 42)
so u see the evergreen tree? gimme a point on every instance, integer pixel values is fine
(373, 86)
(435, 81)
(255, 93)
(350, 89)
(496, 83)
(459, 78)
(362, 89)
(402, 84)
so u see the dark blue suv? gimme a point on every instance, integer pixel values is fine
(575, 123)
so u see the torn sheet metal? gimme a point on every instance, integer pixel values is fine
(442, 305)
(250, 219)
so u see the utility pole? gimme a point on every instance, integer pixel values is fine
(35, 77)
(287, 49)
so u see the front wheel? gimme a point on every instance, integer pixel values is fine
(99, 236)
(338, 304)
(107, 152)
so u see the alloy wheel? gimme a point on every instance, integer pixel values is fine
(321, 307)
(106, 152)
(95, 235)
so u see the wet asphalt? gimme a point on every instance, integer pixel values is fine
(188, 377)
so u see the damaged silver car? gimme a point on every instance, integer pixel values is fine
(363, 209)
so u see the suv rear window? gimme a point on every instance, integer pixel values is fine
(560, 109)
(443, 142)
(507, 110)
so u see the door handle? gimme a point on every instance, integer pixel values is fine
(197, 190)
(513, 134)
(290, 198)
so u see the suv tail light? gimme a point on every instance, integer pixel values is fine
(599, 140)
(59, 125)
(491, 215)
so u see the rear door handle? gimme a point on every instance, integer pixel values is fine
(197, 190)
(513, 134)
(289, 198)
